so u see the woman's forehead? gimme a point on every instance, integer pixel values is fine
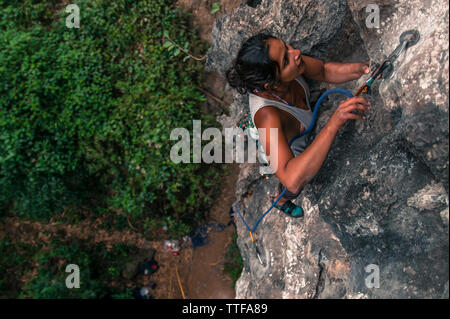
(276, 50)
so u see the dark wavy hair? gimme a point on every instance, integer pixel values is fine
(252, 68)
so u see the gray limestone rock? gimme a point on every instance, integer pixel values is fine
(381, 197)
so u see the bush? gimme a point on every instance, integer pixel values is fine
(15, 259)
(98, 269)
(234, 263)
(86, 114)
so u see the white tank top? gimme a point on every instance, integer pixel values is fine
(303, 116)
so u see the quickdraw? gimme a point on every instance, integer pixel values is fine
(407, 39)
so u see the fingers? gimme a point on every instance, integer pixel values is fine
(356, 106)
(366, 67)
(353, 116)
(353, 100)
(349, 115)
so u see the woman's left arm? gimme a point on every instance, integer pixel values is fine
(333, 72)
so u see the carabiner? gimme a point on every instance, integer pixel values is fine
(255, 244)
(258, 254)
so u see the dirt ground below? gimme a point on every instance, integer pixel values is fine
(198, 273)
(200, 270)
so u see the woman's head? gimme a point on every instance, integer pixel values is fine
(264, 62)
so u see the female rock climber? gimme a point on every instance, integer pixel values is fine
(273, 72)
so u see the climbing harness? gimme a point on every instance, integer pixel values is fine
(407, 39)
(246, 123)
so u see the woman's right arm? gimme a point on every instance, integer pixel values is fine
(295, 172)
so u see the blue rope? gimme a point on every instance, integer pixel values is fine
(316, 110)
(310, 127)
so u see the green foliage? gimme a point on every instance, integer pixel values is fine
(14, 261)
(176, 229)
(215, 8)
(98, 267)
(234, 263)
(127, 294)
(86, 114)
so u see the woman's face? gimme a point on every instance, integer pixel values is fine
(288, 59)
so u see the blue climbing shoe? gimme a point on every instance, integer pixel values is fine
(290, 209)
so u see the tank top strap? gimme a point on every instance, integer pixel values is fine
(300, 79)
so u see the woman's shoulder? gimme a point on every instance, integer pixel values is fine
(267, 116)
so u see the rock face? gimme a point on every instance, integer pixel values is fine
(380, 201)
